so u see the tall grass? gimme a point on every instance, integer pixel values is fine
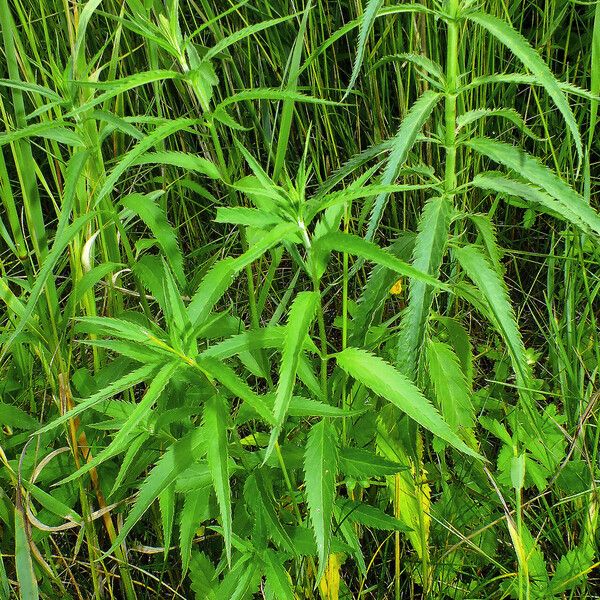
(299, 300)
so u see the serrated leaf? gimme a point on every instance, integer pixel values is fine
(559, 199)
(361, 464)
(453, 394)
(320, 471)
(195, 507)
(520, 47)
(400, 147)
(278, 580)
(300, 318)
(215, 424)
(387, 382)
(491, 285)
(122, 437)
(428, 254)
(370, 516)
(174, 461)
(166, 503)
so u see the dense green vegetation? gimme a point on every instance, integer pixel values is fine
(299, 299)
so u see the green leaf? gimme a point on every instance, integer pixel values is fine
(123, 436)
(188, 162)
(510, 114)
(194, 512)
(287, 111)
(400, 147)
(174, 461)
(387, 382)
(370, 516)
(451, 389)
(28, 587)
(142, 147)
(237, 386)
(352, 244)
(492, 287)
(166, 502)
(300, 318)
(320, 470)
(215, 424)
(571, 569)
(361, 464)
(278, 580)
(547, 190)
(122, 384)
(372, 11)
(520, 47)
(428, 255)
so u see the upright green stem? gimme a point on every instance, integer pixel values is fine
(450, 106)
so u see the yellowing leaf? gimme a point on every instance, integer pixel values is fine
(397, 287)
(330, 583)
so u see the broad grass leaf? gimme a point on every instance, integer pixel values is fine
(520, 47)
(401, 145)
(174, 461)
(28, 587)
(320, 471)
(215, 425)
(387, 382)
(428, 254)
(61, 241)
(300, 318)
(492, 287)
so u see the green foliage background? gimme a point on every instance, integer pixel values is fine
(299, 299)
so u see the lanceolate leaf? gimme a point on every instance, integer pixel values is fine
(24, 564)
(401, 146)
(428, 254)
(176, 459)
(124, 383)
(299, 320)
(559, 198)
(345, 242)
(387, 382)
(492, 287)
(215, 424)
(372, 11)
(450, 386)
(122, 437)
(320, 470)
(155, 219)
(519, 46)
